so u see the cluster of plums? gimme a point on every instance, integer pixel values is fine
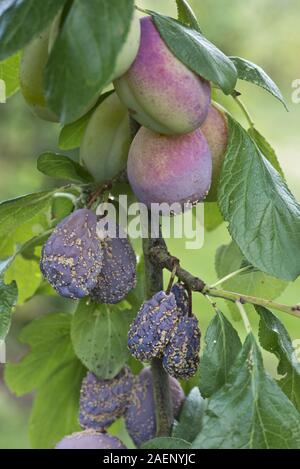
(164, 328)
(104, 401)
(177, 154)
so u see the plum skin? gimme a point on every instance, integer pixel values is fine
(160, 91)
(89, 439)
(215, 130)
(130, 48)
(106, 142)
(169, 169)
(140, 417)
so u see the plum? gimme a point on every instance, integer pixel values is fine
(104, 401)
(130, 48)
(72, 256)
(89, 439)
(32, 68)
(181, 298)
(169, 169)
(181, 356)
(153, 326)
(160, 91)
(215, 130)
(140, 417)
(105, 145)
(118, 273)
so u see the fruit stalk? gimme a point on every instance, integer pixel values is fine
(161, 386)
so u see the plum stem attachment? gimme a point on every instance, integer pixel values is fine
(231, 275)
(243, 108)
(172, 278)
(160, 255)
(244, 316)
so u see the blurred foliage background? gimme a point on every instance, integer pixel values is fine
(266, 33)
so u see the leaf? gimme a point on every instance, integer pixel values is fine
(274, 338)
(250, 411)
(197, 53)
(186, 15)
(15, 212)
(71, 135)
(166, 443)
(9, 73)
(8, 299)
(212, 216)
(27, 274)
(90, 40)
(50, 348)
(62, 167)
(191, 416)
(22, 20)
(99, 336)
(222, 346)
(263, 215)
(266, 150)
(251, 72)
(253, 282)
(57, 405)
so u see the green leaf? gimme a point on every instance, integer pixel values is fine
(27, 274)
(222, 346)
(71, 135)
(250, 411)
(212, 216)
(56, 406)
(15, 212)
(251, 72)
(22, 20)
(50, 348)
(186, 15)
(191, 417)
(91, 38)
(274, 338)
(62, 167)
(197, 53)
(166, 443)
(9, 73)
(253, 282)
(99, 335)
(8, 299)
(266, 150)
(263, 215)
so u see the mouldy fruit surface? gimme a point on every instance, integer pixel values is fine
(72, 257)
(215, 130)
(153, 327)
(181, 298)
(89, 439)
(181, 356)
(165, 169)
(106, 141)
(130, 48)
(104, 401)
(160, 91)
(118, 273)
(32, 68)
(140, 417)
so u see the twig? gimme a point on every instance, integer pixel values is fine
(243, 108)
(244, 316)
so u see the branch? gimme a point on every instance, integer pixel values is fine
(160, 255)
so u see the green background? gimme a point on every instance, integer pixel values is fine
(266, 33)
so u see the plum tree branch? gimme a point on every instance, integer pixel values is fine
(159, 254)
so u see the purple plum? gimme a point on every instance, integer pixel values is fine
(89, 439)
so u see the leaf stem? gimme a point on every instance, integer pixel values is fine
(230, 276)
(244, 109)
(244, 316)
